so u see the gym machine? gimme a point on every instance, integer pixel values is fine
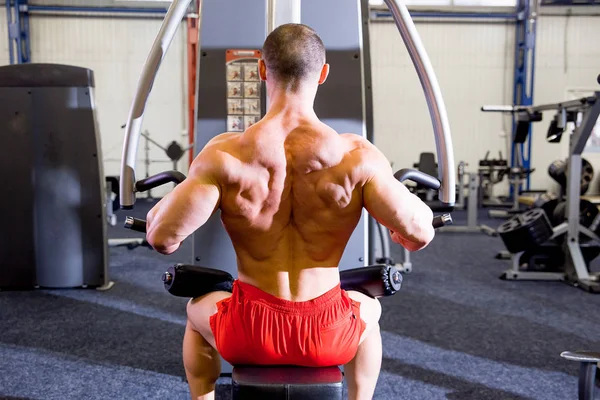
(347, 46)
(491, 172)
(530, 236)
(54, 230)
(428, 166)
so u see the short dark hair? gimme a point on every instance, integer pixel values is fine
(292, 52)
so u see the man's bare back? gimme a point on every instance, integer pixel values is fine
(291, 191)
(291, 198)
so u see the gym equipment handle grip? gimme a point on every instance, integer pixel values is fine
(159, 179)
(442, 220)
(135, 224)
(407, 174)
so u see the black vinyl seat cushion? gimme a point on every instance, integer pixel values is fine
(286, 382)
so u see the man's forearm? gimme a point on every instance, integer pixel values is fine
(163, 239)
(159, 234)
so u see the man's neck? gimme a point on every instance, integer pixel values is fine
(291, 104)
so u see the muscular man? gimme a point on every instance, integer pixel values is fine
(291, 191)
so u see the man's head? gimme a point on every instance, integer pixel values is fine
(294, 55)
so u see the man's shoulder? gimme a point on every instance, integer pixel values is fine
(223, 140)
(216, 153)
(366, 159)
(357, 140)
(358, 146)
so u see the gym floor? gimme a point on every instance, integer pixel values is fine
(455, 331)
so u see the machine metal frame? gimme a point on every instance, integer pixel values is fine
(411, 38)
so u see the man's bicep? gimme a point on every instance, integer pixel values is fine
(388, 201)
(183, 211)
(197, 200)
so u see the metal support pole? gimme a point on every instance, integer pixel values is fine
(472, 209)
(9, 23)
(271, 9)
(17, 19)
(575, 263)
(523, 77)
(147, 160)
(587, 380)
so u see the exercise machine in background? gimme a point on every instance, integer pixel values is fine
(54, 230)
(530, 236)
(469, 181)
(465, 180)
(492, 172)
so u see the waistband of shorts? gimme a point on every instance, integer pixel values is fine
(253, 293)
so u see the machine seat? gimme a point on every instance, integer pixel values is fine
(286, 382)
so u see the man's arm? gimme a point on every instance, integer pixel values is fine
(407, 217)
(182, 211)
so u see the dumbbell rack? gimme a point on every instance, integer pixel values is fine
(576, 271)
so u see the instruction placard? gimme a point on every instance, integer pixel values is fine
(243, 89)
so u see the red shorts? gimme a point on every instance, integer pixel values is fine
(254, 327)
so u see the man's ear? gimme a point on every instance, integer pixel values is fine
(262, 69)
(324, 74)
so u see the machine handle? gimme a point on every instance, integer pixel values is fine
(159, 179)
(135, 224)
(407, 174)
(442, 220)
(433, 95)
(172, 20)
(497, 108)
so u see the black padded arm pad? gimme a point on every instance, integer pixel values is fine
(193, 281)
(374, 281)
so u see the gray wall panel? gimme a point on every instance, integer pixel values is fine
(232, 23)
